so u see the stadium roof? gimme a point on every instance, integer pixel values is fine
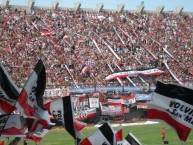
(169, 5)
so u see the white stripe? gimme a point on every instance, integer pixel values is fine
(162, 103)
(98, 138)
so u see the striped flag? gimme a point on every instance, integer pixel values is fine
(62, 110)
(104, 135)
(130, 139)
(30, 97)
(173, 104)
(9, 92)
(38, 136)
(11, 126)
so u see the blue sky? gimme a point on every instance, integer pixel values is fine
(169, 5)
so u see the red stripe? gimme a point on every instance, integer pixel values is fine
(23, 102)
(86, 142)
(12, 131)
(6, 107)
(79, 126)
(182, 130)
(47, 106)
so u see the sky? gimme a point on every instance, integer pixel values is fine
(169, 5)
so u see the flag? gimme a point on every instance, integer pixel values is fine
(119, 136)
(104, 135)
(41, 121)
(173, 104)
(131, 140)
(62, 110)
(11, 126)
(9, 92)
(46, 32)
(30, 97)
(38, 136)
(9, 50)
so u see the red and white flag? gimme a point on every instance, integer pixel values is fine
(30, 97)
(173, 104)
(9, 50)
(104, 135)
(119, 136)
(47, 32)
(9, 92)
(38, 136)
(11, 126)
(62, 110)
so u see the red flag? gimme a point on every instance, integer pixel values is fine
(2, 142)
(9, 50)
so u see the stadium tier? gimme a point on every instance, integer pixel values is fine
(81, 48)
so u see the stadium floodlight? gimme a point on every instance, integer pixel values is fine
(179, 10)
(31, 4)
(160, 9)
(5, 3)
(55, 5)
(120, 8)
(99, 7)
(77, 6)
(140, 7)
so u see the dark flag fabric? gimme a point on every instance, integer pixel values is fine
(62, 110)
(9, 92)
(11, 126)
(173, 104)
(104, 135)
(30, 97)
(131, 140)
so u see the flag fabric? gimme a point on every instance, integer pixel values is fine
(62, 110)
(9, 92)
(9, 50)
(41, 121)
(11, 126)
(119, 136)
(104, 135)
(38, 136)
(135, 73)
(131, 140)
(30, 97)
(173, 104)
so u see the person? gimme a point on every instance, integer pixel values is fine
(163, 133)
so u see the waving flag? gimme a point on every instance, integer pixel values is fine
(104, 135)
(119, 136)
(30, 97)
(62, 110)
(11, 126)
(173, 104)
(131, 140)
(9, 92)
(38, 136)
(135, 73)
(41, 121)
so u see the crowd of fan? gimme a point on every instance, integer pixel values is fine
(84, 39)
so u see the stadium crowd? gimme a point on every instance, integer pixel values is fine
(80, 48)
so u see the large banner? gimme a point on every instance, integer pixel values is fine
(111, 110)
(57, 92)
(81, 107)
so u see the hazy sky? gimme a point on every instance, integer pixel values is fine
(169, 5)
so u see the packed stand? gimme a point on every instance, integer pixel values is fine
(82, 48)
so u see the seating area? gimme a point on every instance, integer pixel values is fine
(82, 48)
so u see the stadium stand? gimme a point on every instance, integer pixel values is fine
(81, 47)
